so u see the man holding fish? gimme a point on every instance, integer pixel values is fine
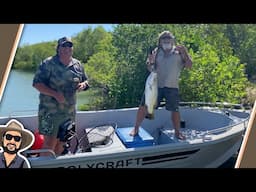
(165, 64)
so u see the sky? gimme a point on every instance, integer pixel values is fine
(37, 33)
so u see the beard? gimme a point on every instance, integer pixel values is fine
(6, 149)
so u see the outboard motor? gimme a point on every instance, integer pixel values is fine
(66, 132)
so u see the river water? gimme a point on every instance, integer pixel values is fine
(20, 98)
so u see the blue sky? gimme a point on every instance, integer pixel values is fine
(37, 33)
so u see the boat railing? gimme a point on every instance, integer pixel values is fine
(225, 105)
(207, 134)
(37, 152)
(222, 129)
(22, 113)
(218, 130)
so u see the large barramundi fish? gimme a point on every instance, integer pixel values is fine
(151, 91)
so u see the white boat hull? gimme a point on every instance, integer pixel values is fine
(212, 138)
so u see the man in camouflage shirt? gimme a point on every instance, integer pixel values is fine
(58, 78)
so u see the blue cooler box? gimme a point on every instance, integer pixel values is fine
(142, 139)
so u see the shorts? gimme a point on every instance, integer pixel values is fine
(169, 95)
(49, 123)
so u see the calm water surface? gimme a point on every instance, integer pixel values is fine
(21, 98)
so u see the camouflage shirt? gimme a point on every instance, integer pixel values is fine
(61, 78)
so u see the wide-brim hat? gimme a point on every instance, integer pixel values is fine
(27, 139)
(166, 34)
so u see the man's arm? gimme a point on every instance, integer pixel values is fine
(42, 88)
(185, 56)
(151, 60)
(84, 85)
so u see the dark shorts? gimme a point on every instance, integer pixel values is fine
(49, 124)
(169, 95)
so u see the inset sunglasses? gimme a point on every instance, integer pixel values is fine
(9, 137)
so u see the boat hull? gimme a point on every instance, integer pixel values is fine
(218, 137)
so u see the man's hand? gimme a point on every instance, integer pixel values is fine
(59, 97)
(184, 55)
(181, 49)
(151, 58)
(82, 86)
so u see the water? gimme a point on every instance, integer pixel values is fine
(19, 95)
(20, 98)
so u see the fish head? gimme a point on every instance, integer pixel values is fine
(152, 79)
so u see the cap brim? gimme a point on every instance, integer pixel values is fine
(66, 42)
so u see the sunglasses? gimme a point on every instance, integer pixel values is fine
(9, 137)
(67, 45)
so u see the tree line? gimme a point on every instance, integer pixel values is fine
(223, 61)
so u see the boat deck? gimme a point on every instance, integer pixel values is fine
(164, 136)
(167, 135)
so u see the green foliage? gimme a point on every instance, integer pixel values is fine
(216, 75)
(115, 61)
(101, 69)
(86, 43)
(132, 42)
(96, 103)
(29, 57)
(212, 79)
(242, 38)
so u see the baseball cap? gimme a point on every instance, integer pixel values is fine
(63, 40)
